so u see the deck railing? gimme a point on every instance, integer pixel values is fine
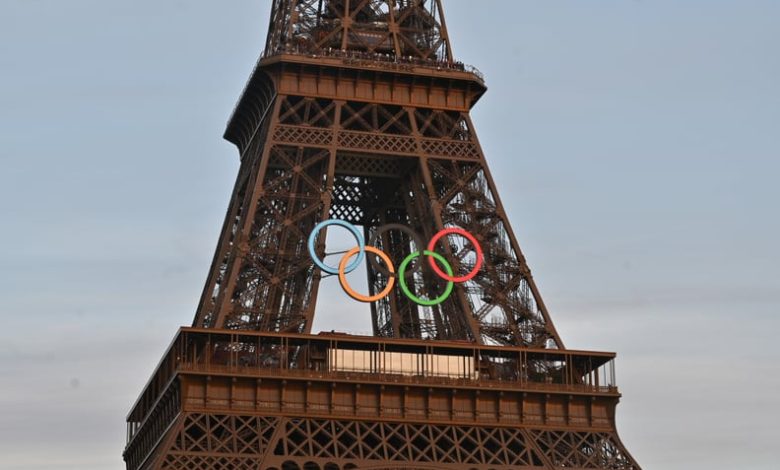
(369, 359)
(379, 58)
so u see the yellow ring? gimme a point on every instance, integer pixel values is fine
(350, 291)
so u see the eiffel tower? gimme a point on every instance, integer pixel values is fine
(358, 112)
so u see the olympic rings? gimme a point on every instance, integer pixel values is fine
(341, 223)
(469, 237)
(343, 275)
(435, 259)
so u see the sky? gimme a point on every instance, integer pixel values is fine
(635, 144)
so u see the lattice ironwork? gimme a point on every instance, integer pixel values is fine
(503, 296)
(405, 442)
(202, 433)
(399, 28)
(376, 118)
(303, 136)
(453, 149)
(175, 461)
(305, 111)
(377, 142)
(208, 441)
(568, 449)
(361, 165)
(265, 280)
(441, 124)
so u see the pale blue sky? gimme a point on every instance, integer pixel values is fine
(636, 145)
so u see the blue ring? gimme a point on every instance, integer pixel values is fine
(355, 232)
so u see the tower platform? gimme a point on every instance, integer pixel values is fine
(241, 400)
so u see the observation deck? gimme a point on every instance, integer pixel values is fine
(351, 75)
(341, 376)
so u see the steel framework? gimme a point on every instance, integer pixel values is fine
(358, 111)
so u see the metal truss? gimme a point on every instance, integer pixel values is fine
(371, 164)
(393, 28)
(219, 441)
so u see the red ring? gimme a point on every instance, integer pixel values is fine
(472, 239)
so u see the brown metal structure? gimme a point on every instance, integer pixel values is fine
(357, 110)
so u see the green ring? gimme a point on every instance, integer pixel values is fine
(410, 294)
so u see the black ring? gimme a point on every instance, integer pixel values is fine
(419, 245)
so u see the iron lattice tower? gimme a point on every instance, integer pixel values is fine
(358, 111)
